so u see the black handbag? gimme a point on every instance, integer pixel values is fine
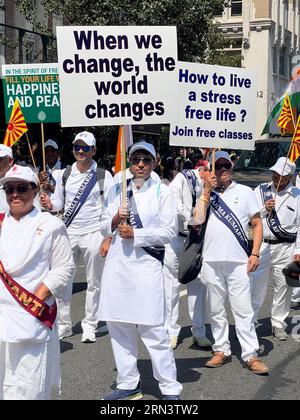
(190, 259)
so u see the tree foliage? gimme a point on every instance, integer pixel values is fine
(198, 37)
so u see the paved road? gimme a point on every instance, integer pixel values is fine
(88, 370)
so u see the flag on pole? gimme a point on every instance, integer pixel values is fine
(293, 91)
(16, 126)
(295, 145)
(125, 130)
(286, 115)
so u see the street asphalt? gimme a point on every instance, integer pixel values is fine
(88, 370)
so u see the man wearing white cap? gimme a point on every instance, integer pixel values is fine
(36, 265)
(6, 162)
(81, 195)
(132, 294)
(228, 262)
(280, 212)
(53, 167)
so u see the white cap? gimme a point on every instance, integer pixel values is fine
(19, 173)
(51, 143)
(284, 166)
(220, 154)
(87, 137)
(5, 151)
(142, 145)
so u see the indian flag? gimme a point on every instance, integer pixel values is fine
(293, 92)
(126, 131)
(16, 126)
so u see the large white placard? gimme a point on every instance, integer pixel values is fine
(216, 107)
(113, 75)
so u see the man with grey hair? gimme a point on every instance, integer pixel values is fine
(280, 213)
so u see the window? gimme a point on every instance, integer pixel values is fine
(236, 7)
(283, 62)
(275, 60)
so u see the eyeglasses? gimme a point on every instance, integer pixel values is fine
(20, 189)
(85, 149)
(225, 165)
(137, 160)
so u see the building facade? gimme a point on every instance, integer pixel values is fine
(266, 36)
(22, 42)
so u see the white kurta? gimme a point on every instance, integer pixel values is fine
(33, 250)
(132, 281)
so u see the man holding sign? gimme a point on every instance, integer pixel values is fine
(228, 262)
(132, 295)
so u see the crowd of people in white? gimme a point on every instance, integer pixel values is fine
(131, 246)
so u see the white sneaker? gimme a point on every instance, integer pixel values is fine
(174, 341)
(88, 336)
(64, 332)
(202, 341)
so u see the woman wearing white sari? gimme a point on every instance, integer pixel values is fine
(36, 265)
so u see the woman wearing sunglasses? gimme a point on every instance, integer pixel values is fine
(228, 262)
(35, 265)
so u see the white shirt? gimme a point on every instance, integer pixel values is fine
(88, 218)
(220, 244)
(287, 206)
(132, 281)
(184, 199)
(33, 250)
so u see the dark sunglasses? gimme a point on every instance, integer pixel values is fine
(85, 149)
(20, 189)
(137, 160)
(225, 165)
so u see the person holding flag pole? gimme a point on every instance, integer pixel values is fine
(280, 212)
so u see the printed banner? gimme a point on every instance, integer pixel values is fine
(36, 86)
(117, 75)
(216, 107)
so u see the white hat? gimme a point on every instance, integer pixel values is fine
(220, 154)
(87, 137)
(284, 166)
(51, 143)
(19, 173)
(142, 145)
(5, 151)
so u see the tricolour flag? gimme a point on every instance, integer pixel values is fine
(295, 145)
(126, 131)
(286, 115)
(16, 126)
(293, 91)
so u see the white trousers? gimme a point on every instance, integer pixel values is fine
(29, 370)
(273, 258)
(195, 289)
(88, 245)
(296, 294)
(124, 344)
(230, 280)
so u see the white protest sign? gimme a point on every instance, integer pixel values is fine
(113, 75)
(216, 107)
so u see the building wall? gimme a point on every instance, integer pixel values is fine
(269, 30)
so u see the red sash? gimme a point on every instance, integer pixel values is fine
(31, 303)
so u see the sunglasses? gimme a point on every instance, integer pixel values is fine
(20, 189)
(225, 165)
(137, 160)
(85, 149)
